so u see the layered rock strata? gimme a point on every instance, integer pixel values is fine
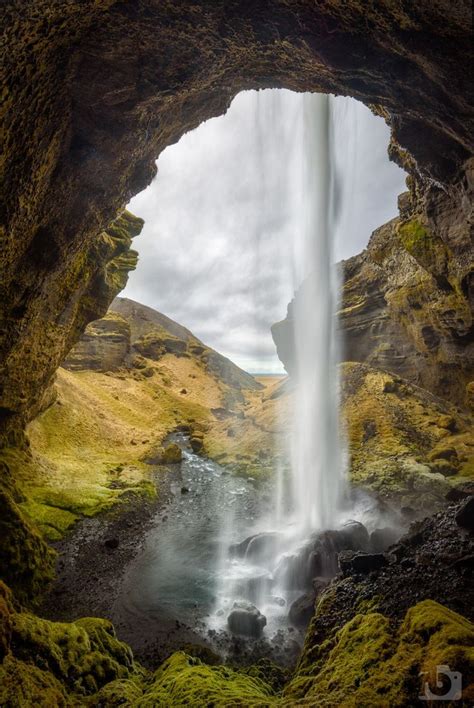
(408, 298)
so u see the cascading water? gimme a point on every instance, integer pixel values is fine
(293, 178)
(316, 460)
(307, 497)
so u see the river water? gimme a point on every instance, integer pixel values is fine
(173, 591)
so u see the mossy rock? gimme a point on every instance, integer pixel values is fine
(169, 455)
(426, 248)
(26, 561)
(24, 684)
(122, 692)
(372, 662)
(185, 681)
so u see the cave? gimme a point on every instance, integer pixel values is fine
(93, 93)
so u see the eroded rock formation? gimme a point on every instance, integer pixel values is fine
(96, 90)
(82, 291)
(408, 298)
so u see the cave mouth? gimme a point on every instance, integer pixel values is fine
(228, 241)
(220, 209)
(93, 95)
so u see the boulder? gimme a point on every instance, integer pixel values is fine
(246, 619)
(319, 556)
(460, 492)
(301, 610)
(383, 538)
(111, 543)
(465, 514)
(262, 547)
(358, 562)
(353, 536)
(196, 443)
(169, 455)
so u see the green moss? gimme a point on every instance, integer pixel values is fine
(6, 619)
(393, 429)
(82, 655)
(53, 522)
(268, 672)
(122, 692)
(425, 247)
(26, 562)
(186, 681)
(23, 684)
(370, 661)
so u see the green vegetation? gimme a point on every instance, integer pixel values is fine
(26, 561)
(56, 664)
(185, 681)
(395, 433)
(370, 661)
(426, 247)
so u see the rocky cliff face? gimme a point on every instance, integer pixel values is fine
(100, 88)
(82, 293)
(408, 299)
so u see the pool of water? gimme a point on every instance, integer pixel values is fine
(178, 575)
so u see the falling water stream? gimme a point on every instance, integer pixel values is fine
(308, 496)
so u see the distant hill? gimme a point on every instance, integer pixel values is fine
(131, 330)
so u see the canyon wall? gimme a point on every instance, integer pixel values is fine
(408, 299)
(95, 90)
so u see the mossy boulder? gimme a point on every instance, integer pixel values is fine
(185, 681)
(169, 455)
(372, 662)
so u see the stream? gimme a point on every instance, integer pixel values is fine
(173, 587)
(161, 584)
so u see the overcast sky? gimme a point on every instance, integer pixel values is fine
(215, 252)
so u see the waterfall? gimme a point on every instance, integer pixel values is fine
(316, 460)
(264, 564)
(310, 157)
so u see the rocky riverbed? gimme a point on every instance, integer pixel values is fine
(150, 566)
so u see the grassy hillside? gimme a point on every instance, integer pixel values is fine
(131, 381)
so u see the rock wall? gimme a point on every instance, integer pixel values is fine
(96, 89)
(408, 298)
(103, 346)
(60, 310)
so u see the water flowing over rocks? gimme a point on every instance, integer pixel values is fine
(94, 92)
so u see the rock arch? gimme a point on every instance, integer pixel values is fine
(96, 89)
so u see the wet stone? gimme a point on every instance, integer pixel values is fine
(246, 619)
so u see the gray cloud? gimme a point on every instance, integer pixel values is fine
(215, 253)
